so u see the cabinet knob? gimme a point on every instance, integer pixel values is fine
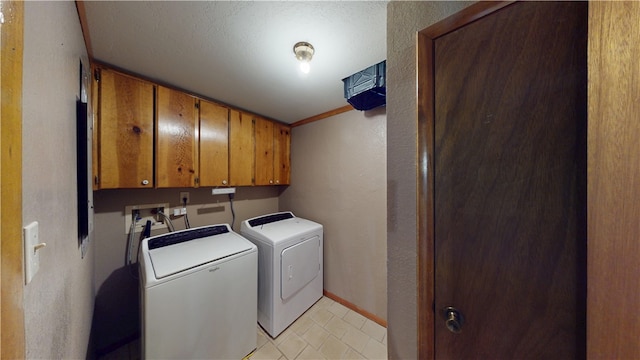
(270, 181)
(224, 182)
(277, 182)
(145, 182)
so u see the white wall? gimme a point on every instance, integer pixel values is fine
(404, 20)
(59, 301)
(338, 178)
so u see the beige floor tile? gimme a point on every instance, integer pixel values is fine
(303, 324)
(338, 309)
(283, 335)
(309, 353)
(374, 330)
(321, 316)
(354, 318)
(324, 302)
(374, 350)
(262, 337)
(337, 327)
(292, 345)
(267, 352)
(333, 348)
(352, 355)
(355, 338)
(315, 336)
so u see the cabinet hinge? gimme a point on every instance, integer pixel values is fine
(96, 74)
(196, 181)
(197, 105)
(96, 180)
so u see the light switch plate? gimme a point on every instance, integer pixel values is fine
(31, 255)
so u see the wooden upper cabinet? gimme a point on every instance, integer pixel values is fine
(176, 139)
(151, 136)
(241, 148)
(273, 148)
(214, 144)
(264, 151)
(281, 154)
(124, 132)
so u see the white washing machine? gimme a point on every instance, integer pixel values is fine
(198, 294)
(290, 268)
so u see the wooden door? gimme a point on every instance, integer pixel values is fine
(214, 144)
(509, 184)
(241, 148)
(614, 173)
(177, 139)
(282, 154)
(125, 142)
(264, 151)
(12, 324)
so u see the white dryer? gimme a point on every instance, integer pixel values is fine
(198, 294)
(290, 267)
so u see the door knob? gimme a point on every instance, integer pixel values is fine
(453, 319)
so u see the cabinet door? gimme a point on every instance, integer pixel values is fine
(214, 144)
(241, 148)
(281, 154)
(125, 139)
(264, 151)
(177, 139)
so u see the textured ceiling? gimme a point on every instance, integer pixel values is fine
(241, 52)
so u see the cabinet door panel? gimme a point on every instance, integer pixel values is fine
(125, 132)
(264, 151)
(241, 149)
(214, 144)
(176, 140)
(282, 154)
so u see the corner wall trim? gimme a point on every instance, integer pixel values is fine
(324, 115)
(380, 321)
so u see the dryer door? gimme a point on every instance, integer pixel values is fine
(300, 264)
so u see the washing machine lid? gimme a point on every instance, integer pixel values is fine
(277, 227)
(182, 250)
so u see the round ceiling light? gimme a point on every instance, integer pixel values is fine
(304, 53)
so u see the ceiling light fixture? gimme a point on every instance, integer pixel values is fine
(304, 52)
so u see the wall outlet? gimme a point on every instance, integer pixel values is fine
(184, 195)
(144, 213)
(220, 191)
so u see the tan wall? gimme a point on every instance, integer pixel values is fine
(404, 19)
(116, 317)
(59, 301)
(338, 178)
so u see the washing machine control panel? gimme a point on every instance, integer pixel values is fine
(270, 218)
(186, 235)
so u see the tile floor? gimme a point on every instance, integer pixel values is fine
(328, 330)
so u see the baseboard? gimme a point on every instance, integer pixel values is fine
(380, 321)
